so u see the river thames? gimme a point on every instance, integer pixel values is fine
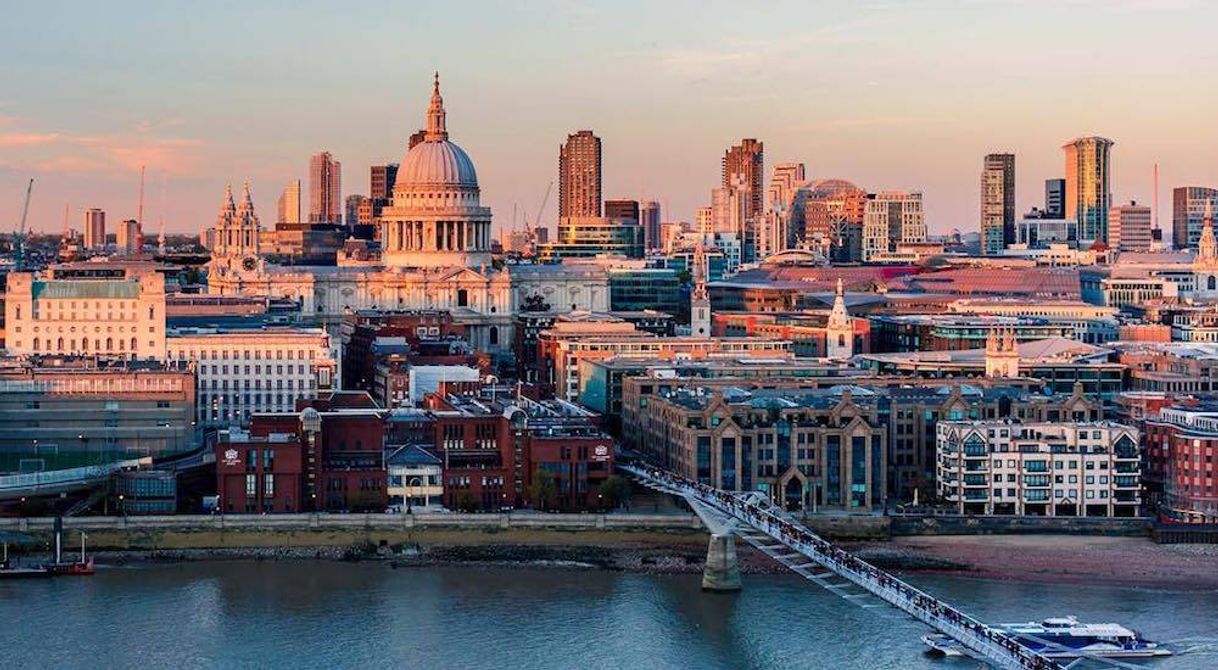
(248, 614)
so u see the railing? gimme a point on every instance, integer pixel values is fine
(994, 645)
(36, 480)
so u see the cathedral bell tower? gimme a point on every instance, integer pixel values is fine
(236, 252)
(1001, 353)
(1205, 263)
(839, 331)
(699, 298)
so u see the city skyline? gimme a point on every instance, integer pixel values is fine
(205, 116)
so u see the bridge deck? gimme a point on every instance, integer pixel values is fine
(992, 645)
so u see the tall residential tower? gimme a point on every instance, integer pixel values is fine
(579, 176)
(325, 189)
(997, 203)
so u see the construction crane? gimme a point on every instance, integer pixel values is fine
(544, 200)
(19, 237)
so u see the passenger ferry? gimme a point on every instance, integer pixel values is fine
(1064, 638)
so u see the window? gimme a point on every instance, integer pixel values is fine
(268, 485)
(251, 484)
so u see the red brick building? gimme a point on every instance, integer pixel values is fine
(1182, 459)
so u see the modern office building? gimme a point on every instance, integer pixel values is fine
(325, 189)
(1088, 185)
(1039, 469)
(743, 169)
(997, 203)
(579, 176)
(1187, 214)
(627, 210)
(289, 203)
(639, 289)
(649, 219)
(1055, 198)
(892, 218)
(1039, 232)
(1129, 227)
(95, 228)
(351, 208)
(588, 236)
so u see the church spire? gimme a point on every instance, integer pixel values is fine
(436, 128)
(1207, 246)
(247, 203)
(228, 205)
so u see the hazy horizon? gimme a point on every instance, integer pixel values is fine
(887, 95)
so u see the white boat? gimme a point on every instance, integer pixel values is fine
(1066, 637)
(943, 645)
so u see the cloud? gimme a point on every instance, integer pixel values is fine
(72, 153)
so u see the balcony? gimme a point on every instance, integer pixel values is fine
(974, 495)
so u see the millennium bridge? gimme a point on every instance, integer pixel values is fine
(753, 517)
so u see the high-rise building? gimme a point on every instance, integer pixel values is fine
(579, 176)
(325, 189)
(1088, 185)
(785, 179)
(1055, 198)
(743, 169)
(729, 208)
(353, 203)
(127, 237)
(828, 215)
(1129, 227)
(622, 209)
(416, 138)
(997, 203)
(1187, 214)
(704, 221)
(95, 228)
(649, 218)
(382, 180)
(892, 218)
(289, 203)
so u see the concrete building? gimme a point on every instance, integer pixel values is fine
(1088, 185)
(1039, 469)
(1129, 227)
(1036, 231)
(128, 238)
(1055, 198)
(382, 179)
(352, 205)
(244, 371)
(827, 216)
(649, 219)
(95, 228)
(997, 203)
(1187, 214)
(579, 176)
(122, 316)
(289, 203)
(743, 169)
(64, 413)
(774, 236)
(892, 218)
(325, 189)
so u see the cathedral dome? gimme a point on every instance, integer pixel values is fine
(436, 161)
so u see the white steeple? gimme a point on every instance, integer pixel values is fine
(839, 330)
(699, 297)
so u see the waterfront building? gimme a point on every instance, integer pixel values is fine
(120, 315)
(289, 203)
(579, 176)
(1055, 198)
(1039, 469)
(1188, 213)
(1181, 443)
(66, 412)
(892, 218)
(1088, 185)
(415, 478)
(325, 189)
(244, 371)
(997, 203)
(806, 449)
(1129, 227)
(94, 229)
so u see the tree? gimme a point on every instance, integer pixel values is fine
(614, 491)
(543, 489)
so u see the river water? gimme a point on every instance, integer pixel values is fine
(247, 614)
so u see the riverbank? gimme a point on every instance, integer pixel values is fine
(1055, 559)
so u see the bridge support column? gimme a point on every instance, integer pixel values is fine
(722, 573)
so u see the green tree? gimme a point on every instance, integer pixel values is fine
(543, 489)
(614, 491)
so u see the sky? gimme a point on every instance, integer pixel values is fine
(890, 95)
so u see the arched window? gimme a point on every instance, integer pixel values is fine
(97, 344)
(109, 344)
(494, 338)
(37, 343)
(84, 344)
(133, 345)
(1212, 282)
(151, 311)
(59, 344)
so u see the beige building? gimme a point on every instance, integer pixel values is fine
(122, 317)
(253, 370)
(892, 218)
(95, 228)
(1129, 227)
(289, 203)
(128, 238)
(579, 176)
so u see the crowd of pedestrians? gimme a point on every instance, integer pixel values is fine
(794, 534)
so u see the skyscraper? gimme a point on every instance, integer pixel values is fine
(383, 178)
(325, 189)
(649, 218)
(1088, 186)
(579, 176)
(1055, 198)
(785, 180)
(95, 228)
(1188, 214)
(892, 218)
(289, 203)
(743, 169)
(997, 203)
(127, 237)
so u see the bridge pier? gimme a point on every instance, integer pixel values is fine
(722, 573)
